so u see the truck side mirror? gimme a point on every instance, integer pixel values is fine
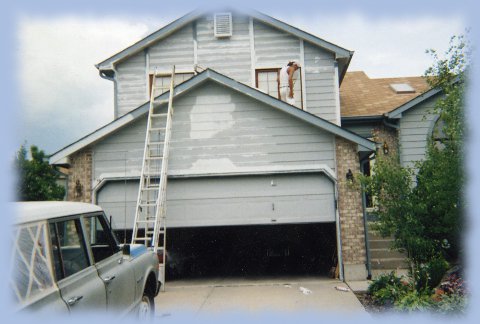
(126, 249)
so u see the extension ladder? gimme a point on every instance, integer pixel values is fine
(150, 216)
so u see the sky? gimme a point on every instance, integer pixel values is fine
(62, 97)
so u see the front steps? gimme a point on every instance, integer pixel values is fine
(382, 258)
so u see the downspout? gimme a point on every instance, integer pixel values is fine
(339, 235)
(114, 80)
(365, 224)
(394, 126)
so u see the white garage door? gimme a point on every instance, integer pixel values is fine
(221, 201)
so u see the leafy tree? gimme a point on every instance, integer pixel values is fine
(36, 178)
(423, 210)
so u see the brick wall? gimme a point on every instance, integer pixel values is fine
(350, 205)
(80, 176)
(381, 135)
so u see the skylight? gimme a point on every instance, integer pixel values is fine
(402, 88)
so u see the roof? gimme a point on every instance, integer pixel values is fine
(363, 96)
(211, 75)
(341, 53)
(32, 211)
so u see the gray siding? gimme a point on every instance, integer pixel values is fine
(267, 199)
(320, 82)
(416, 126)
(273, 47)
(131, 84)
(229, 56)
(177, 49)
(218, 130)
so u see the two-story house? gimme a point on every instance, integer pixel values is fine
(240, 158)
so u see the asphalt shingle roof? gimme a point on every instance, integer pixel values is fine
(363, 96)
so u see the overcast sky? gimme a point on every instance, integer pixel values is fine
(63, 98)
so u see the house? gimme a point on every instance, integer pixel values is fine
(240, 158)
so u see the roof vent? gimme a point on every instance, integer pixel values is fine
(222, 24)
(402, 88)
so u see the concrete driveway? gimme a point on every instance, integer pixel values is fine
(191, 298)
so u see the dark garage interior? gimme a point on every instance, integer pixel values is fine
(250, 251)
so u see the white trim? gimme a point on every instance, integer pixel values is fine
(252, 52)
(336, 86)
(147, 73)
(303, 83)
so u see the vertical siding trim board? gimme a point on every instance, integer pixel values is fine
(336, 86)
(195, 44)
(147, 73)
(252, 52)
(304, 83)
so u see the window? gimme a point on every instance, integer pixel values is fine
(69, 252)
(162, 83)
(438, 134)
(266, 80)
(98, 236)
(32, 271)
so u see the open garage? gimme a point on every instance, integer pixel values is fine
(268, 224)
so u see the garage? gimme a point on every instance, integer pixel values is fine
(240, 225)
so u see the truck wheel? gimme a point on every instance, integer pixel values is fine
(146, 309)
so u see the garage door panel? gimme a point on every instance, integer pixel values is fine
(245, 200)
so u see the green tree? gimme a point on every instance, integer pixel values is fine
(423, 210)
(36, 178)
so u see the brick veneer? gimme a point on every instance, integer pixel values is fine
(382, 134)
(80, 176)
(351, 212)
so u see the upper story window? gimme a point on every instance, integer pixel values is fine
(162, 83)
(266, 80)
(222, 22)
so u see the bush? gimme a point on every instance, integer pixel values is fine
(430, 274)
(387, 289)
(414, 301)
(455, 303)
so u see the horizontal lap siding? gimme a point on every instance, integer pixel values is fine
(217, 129)
(229, 56)
(274, 47)
(131, 84)
(416, 125)
(176, 49)
(241, 133)
(320, 82)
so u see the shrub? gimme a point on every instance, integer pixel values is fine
(455, 303)
(428, 275)
(387, 288)
(414, 301)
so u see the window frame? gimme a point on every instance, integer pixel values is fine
(165, 74)
(277, 69)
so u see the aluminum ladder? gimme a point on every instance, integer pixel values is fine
(150, 215)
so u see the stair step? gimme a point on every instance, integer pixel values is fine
(380, 243)
(386, 253)
(390, 263)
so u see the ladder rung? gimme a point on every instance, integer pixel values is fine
(160, 102)
(155, 143)
(143, 238)
(157, 129)
(146, 221)
(150, 189)
(147, 205)
(158, 115)
(155, 158)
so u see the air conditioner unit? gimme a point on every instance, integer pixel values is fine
(222, 22)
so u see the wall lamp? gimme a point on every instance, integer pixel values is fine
(385, 148)
(350, 175)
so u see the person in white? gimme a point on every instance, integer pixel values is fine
(286, 82)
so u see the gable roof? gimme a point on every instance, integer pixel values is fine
(363, 96)
(341, 53)
(364, 144)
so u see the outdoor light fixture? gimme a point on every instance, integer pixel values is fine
(385, 148)
(78, 188)
(350, 175)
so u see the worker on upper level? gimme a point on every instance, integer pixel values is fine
(286, 82)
